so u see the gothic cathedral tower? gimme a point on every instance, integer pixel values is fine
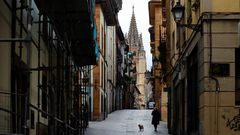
(134, 40)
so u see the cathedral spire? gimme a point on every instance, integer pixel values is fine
(133, 39)
(133, 10)
(141, 42)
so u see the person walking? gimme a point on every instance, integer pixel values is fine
(155, 118)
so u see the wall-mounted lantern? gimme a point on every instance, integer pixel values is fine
(178, 12)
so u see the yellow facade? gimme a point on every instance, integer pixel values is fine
(158, 33)
(209, 48)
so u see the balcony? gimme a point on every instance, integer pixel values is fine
(74, 22)
(73, 18)
(163, 35)
(117, 4)
(164, 16)
(110, 9)
(152, 50)
(152, 34)
(152, 44)
(152, 4)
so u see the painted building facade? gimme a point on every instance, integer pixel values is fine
(158, 49)
(205, 74)
(104, 74)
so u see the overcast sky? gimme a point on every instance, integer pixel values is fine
(142, 19)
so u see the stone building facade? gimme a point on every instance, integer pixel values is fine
(158, 49)
(105, 73)
(134, 40)
(205, 75)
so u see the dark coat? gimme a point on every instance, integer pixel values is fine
(155, 117)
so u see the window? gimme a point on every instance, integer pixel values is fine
(220, 69)
(44, 94)
(237, 76)
(102, 74)
(32, 120)
(45, 29)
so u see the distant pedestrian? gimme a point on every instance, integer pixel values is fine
(155, 118)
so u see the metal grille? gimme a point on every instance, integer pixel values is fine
(5, 116)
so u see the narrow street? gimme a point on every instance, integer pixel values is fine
(125, 122)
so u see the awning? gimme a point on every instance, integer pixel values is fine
(86, 53)
(109, 12)
(73, 21)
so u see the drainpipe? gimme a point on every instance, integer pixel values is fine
(28, 44)
(13, 68)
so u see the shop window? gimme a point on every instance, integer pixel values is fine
(32, 120)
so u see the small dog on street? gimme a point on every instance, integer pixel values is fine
(141, 128)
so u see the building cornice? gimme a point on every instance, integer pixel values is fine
(151, 8)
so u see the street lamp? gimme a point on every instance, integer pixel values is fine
(178, 12)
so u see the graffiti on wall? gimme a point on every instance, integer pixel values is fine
(233, 123)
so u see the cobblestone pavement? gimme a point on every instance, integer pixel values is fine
(125, 122)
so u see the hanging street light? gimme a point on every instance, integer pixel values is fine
(178, 12)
